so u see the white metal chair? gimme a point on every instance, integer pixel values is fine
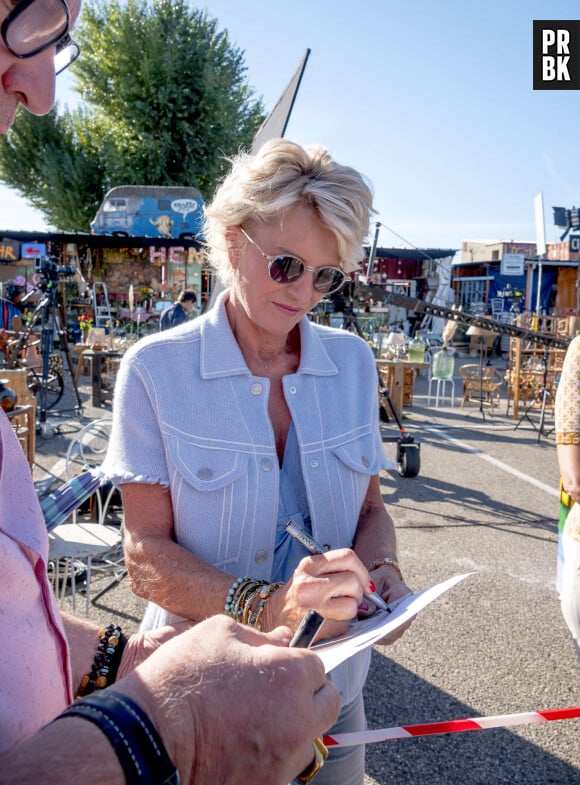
(95, 546)
(87, 451)
(440, 393)
(442, 380)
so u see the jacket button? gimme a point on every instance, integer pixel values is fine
(260, 557)
(267, 464)
(314, 463)
(205, 473)
(293, 391)
(256, 388)
(365, 462)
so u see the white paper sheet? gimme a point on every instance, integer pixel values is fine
(368, 631)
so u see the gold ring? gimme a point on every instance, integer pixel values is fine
(320, 755)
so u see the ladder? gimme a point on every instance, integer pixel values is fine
(102, 311)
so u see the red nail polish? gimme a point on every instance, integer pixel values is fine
(372, 586)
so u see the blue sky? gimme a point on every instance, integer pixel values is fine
(432, 101)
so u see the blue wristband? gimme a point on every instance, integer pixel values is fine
(137, 744)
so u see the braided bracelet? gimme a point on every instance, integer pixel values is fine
(106, 663)
(246, 598)
(388, 561)
(253, 614)
(132, 735)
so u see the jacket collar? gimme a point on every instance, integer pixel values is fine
(221, 355)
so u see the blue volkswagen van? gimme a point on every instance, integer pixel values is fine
(150, 211)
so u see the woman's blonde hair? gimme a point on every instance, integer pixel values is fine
(264, 186)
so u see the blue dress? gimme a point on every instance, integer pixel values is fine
(345, 766)
(293, 507)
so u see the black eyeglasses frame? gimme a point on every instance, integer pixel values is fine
(63, 38)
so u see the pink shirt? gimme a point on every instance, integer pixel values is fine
(35, 683)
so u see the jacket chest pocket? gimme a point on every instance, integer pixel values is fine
(353, 465)
(360, 456)
(209, 490)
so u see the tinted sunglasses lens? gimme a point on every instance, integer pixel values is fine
(328, 279)
(38, 26)
(285, 269)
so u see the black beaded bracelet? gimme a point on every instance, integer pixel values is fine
(137, 744)
(106, 663)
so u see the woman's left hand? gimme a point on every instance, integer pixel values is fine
(391, 588)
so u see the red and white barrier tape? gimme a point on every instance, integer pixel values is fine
(453, 726)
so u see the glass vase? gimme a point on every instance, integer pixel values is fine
(416, 350)
(443, 364)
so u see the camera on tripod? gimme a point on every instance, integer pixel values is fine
(51, 270)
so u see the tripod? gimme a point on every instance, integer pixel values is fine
(49, 313)
(351, 323)
(481, 409)
(475, 331)
(543, 395)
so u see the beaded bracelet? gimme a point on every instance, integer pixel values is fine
(388, 561)
(106, 663)
(231, 607)
(132, 735)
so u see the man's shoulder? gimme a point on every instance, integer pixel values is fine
(167, 315)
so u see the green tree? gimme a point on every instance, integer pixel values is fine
(166, 100)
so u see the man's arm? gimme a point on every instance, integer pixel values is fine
(276, 701)
(83, 639)
(69, 752)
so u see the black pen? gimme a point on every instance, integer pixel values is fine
(307, 629)
(311, 545)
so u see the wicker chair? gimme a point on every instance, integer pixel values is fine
(481, 384)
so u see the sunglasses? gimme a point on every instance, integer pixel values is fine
(286, 268)
(36, 25)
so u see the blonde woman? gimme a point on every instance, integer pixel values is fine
(251, 415)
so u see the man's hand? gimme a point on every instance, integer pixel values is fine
(235, 705)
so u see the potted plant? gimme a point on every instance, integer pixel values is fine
(86, 322)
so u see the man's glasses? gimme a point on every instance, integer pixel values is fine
(35, 25)
(286, 268)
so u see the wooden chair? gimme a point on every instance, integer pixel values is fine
(480, 384)
(23, 421)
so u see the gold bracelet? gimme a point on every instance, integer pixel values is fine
(389, 561)
(320, 755)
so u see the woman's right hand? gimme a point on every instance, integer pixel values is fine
(331, 583)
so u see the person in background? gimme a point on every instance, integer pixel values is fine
(252, 416)
(567, 423)
(180, 311)
(164, 714)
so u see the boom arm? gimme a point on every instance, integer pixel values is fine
(420, 306)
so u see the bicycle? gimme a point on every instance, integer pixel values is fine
(35, 352)
(23, 351)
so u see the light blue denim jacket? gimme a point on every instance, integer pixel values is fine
(188, 413)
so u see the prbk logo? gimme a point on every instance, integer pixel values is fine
(557, 55)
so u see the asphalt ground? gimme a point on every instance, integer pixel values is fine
(485, 502)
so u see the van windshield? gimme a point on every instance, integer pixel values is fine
(114, 206)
